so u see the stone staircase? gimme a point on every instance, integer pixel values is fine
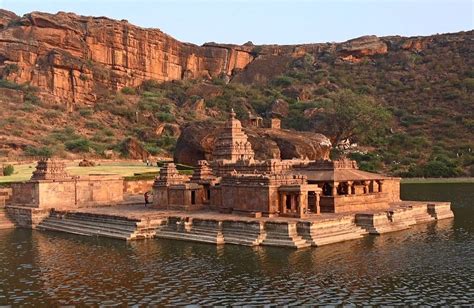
(329, 232)
(196, 230)
(243, 233)
(385, 222)
(5, 222)
(99, 225)
(283, 234)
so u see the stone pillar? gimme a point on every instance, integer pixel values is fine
(301, 204)
(318, 206)
(380, 182)
(334, 188)
(350, 188)
(283, 202)
(293, 203)
(366, 186)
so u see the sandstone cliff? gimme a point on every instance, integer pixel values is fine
(196, 142)
(74, 59)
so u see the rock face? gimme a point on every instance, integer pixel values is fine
(75, 59)
(71, 58)
(197, 142)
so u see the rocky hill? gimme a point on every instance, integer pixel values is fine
(84, 85)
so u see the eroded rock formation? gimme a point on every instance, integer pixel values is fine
(75, 59)
(71, 57)
(197, 142)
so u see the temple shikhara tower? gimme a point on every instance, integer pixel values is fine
(232, 144)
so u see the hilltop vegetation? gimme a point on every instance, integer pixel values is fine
(422, 97)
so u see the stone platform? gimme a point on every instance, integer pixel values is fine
(132, 221)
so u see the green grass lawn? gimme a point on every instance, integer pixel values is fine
(437, 180)
(23, 172)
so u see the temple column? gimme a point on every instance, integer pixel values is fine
(293, 203)
(283, 203)
(350, 188)
(380, 182)
(334, 188)
(366, 186)
(300, 204)
(318, 206)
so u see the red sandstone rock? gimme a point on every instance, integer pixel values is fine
(68, 55)
(197, 143)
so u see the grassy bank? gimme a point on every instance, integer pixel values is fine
(437, 180)
(23, 172)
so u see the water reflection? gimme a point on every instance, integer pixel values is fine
(429, 264)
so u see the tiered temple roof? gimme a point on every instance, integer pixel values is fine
(336, 171)
(203, 173)
(169, 175)
(48, 169)
(233, 144)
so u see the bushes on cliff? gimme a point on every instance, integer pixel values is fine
(79, 145)
(43, 151)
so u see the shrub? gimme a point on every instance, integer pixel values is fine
(150, 85)
(92, 124)
(41, 151)
(282, 81)
(9, 85)
(10, 68)
(8, 170)
(78, 145)
(165, 117)
(86, 112)
(83, 77)
(128, 91)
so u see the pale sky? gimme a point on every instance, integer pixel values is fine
(272, 21)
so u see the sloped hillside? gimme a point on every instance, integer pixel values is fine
(79, 86)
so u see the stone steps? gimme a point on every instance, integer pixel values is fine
(324, 233)
(350, 233)
(174, 234)
(293, 242)
(96, 225)
(48, 225)
(243, 238)
(90, 225)
(283, 235)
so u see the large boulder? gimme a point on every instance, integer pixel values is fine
(197, 142)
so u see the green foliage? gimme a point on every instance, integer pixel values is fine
(348, 115)
(8, 170)
(43, 151)
(9, 85)
(85, 112)
(165, 117)
(368, 161)
(167, 142)
(128, 91)
(10, 69)
(79, 145)
(283, 81)
(83, 77)
(150, 85)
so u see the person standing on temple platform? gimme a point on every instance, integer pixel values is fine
(147, 198)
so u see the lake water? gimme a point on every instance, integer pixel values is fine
(430, 264)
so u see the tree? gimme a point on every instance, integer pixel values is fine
(352, 116)
(8, 170)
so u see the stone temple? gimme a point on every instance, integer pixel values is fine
(234, 182)
(232, 199)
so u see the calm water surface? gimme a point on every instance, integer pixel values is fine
(429, 264)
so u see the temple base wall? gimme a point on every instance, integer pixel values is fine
(68, 194)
